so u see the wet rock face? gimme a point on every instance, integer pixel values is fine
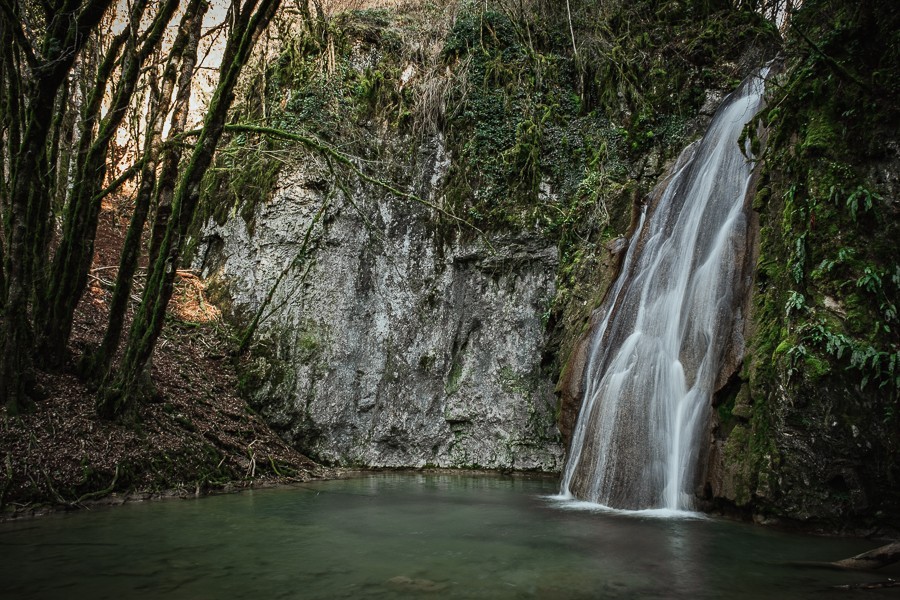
(394, 343)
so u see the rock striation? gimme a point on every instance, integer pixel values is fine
(398, 339)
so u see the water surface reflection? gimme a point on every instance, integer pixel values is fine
(404, 536)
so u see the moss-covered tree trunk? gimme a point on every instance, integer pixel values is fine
(44, 218)
(72, 261)
(184, 51)
(120, 393)
(168, 176)
(10, 135)
(45, 67)
(66, 145)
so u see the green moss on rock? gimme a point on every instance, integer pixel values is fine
(823, 360)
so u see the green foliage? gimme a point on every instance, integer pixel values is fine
(535, 116)
(826, 348)
(861, 197)
(865, 362)
(795, 302)
(832, 215)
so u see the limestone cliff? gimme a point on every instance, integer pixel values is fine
(394, 344)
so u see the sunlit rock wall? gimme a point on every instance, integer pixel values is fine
(394, 343)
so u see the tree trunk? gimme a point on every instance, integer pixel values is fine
(168, 176)
(12, 92)
(72, 261)
(119, 397)
(184, 49)
(63, 39)
(15, 356)
(42, 215)
(73, 102)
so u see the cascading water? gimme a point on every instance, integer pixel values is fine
(655, 354)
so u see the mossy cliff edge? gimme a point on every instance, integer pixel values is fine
(808, 431)
(543, 129)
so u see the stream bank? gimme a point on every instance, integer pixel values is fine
(194, 436)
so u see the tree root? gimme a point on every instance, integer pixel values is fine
(84, 497)
(100, 493)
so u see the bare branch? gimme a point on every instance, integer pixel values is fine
(345, 160)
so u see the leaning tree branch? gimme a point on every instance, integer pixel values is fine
(873, 559)
(118, 181)
(327, 150)
(298, 259)
(839, 69)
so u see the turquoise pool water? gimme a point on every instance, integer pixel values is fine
(407, 536)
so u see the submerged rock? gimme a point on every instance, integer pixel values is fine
(416, 585)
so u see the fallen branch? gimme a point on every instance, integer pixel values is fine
(110, 284)
(867, 561)
(251, 470)
(873, 559)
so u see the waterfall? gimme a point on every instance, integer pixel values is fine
(656, 352)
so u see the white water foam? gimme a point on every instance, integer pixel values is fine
(658, 349)
(568, 502)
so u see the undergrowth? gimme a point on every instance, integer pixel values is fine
(828, 280)
(829, 269)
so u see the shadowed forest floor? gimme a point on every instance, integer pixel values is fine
(193, 436)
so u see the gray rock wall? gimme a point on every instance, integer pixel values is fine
(395, 344)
